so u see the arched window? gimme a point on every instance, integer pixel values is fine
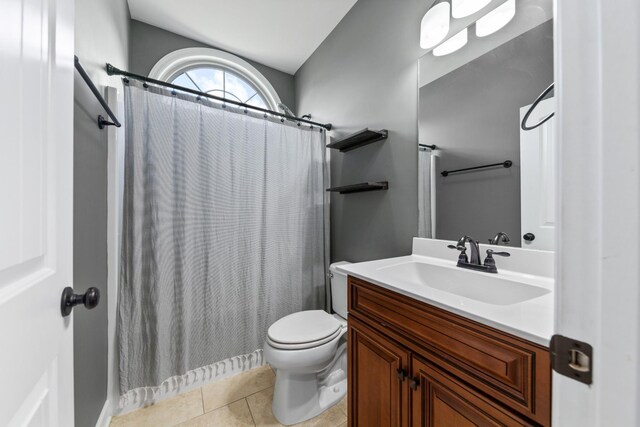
(217, 73)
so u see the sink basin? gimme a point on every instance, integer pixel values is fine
(483, 287)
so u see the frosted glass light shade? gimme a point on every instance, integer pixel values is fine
(435, 25)
(451, 45)
(496, 19)
(462, 8)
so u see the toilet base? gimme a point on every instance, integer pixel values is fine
(298, 397)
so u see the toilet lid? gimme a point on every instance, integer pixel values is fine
(304, 327)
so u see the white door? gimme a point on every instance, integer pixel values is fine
(36, 164)
(538, 179)
(597, 64)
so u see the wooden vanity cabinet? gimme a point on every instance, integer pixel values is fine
(379, 394)
(412, 364)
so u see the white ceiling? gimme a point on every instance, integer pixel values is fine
(279, 33)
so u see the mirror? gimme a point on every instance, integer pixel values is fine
(480, 173)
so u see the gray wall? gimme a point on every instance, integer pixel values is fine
(365, 75)
(472, 114)
(149, 44)
(102, 35)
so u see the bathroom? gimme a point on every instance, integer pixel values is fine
(474, 262)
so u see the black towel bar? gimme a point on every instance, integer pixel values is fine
(102, 122)
(505, 164)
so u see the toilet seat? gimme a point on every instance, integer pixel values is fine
(303, 330)
(304, 345)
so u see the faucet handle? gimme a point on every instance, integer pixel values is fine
(463, 252)
(490, 263)
(491, 252)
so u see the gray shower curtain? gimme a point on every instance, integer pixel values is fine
(426, 208)
(223, 233)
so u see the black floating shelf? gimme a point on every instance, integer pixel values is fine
(359, 188)
(358, 139)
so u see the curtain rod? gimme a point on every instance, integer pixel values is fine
(111, 70)
(102, 122)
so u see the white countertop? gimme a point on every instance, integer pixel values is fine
(531, 319)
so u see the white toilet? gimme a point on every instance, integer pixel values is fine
(308, 349)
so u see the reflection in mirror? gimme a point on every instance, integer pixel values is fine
(486, 175)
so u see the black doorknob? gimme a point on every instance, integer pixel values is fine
(90, 299)
(529, 237)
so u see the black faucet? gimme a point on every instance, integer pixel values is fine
(475, 249)
(474, 263)
(500, 237)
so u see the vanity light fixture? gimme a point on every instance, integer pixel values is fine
(462, 8)
(496, 19)
(435, 25)
(451, 45)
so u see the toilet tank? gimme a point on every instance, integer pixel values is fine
(339, 289)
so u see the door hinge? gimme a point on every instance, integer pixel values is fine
(572, 358)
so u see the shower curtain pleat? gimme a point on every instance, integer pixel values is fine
(223, 233)
(425, 183)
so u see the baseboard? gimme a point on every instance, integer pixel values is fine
(105, 415)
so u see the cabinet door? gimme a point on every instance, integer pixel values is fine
(440, 400)
(378, 387)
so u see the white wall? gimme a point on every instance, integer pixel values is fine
(102, 35)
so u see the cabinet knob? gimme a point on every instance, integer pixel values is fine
(414, 383)
(401, 374)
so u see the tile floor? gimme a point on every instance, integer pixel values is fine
(238, 401)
